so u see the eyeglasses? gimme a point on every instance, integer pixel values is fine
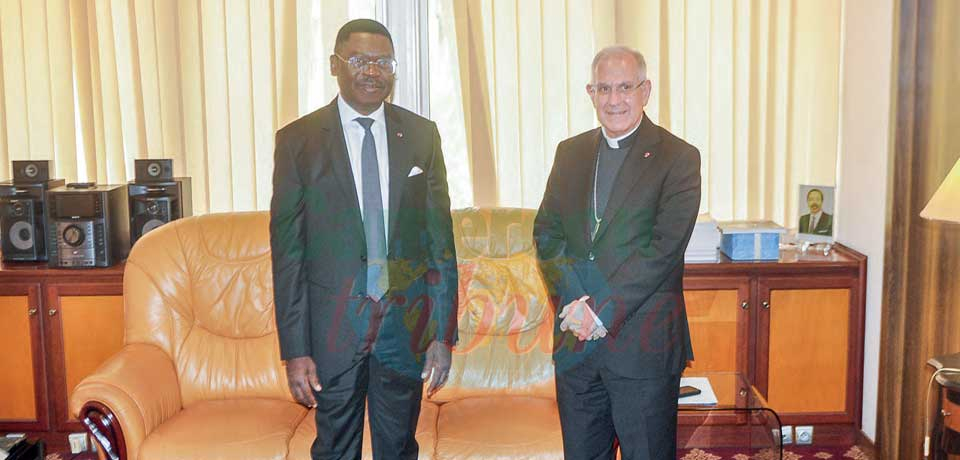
(622, 89)
(360, 63)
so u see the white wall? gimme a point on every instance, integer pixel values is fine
(867, 78)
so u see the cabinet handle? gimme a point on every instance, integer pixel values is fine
(766, 305)
(52, 312)
(32, 312)
(744, 305)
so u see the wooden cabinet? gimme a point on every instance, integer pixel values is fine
(720, 322)
(25, 405)
(794, 327)
(60, 325)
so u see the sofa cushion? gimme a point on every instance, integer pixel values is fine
(500, 427)
(492, 232)
(201, 289)
(505, 316)
(226, 429)
(426, 435)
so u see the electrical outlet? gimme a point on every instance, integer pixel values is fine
(786, 435)
(78, 442)
(804, 435)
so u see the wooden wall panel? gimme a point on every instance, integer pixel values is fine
(808, 350)
(17, 395)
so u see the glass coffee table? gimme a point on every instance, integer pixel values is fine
(739, 422)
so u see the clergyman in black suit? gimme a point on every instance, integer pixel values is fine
(364, 265)
(619, 208)
(817, 222)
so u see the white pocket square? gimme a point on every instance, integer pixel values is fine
(414, 171)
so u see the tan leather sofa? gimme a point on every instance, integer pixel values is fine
(200, 375)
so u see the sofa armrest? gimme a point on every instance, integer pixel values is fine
(126, 398)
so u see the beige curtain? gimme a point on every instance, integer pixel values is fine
(93, 85)
(523, 67)
(752, 83)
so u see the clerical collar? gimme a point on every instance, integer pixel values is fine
(624, 141)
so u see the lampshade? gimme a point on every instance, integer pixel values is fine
(945, 204)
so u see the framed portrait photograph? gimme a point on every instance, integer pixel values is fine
(816, 220)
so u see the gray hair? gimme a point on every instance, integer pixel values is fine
(619, 50)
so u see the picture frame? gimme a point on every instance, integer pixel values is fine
(817, 219)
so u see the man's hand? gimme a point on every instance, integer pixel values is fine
(303, 380)
(579, 318)
(437, 366)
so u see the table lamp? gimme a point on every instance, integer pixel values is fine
(945, 204)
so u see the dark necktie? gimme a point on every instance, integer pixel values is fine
(373, 227)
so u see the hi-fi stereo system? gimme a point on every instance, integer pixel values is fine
(80, 225)
(156, 197)
(23, 228)
(88, 225)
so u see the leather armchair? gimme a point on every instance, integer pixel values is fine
(200, 374)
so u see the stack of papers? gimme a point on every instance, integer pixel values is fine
(704, 241)
(706, 397)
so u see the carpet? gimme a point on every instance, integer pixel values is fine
(789, 453)
(69, 456)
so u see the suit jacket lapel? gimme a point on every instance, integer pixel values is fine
(584, 188)
(635, 167)
(400, 162)
(335, 145)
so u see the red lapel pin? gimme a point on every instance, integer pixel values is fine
(646, 155)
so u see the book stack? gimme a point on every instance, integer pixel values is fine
(704, 241)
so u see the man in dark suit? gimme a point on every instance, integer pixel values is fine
(816, 222)
(619, 208)
(364, 265)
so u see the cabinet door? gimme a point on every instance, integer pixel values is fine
(806, 362)
(718, 312)
(23, 401)
(85, 328)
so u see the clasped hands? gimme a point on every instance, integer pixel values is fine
(580, 319)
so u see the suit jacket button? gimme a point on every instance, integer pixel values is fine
(591, 256)
(363, 258)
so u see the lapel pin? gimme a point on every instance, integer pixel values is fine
(399, 134)
(646, 155)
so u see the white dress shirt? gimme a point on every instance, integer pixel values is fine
(353, 133)
(814, 220)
